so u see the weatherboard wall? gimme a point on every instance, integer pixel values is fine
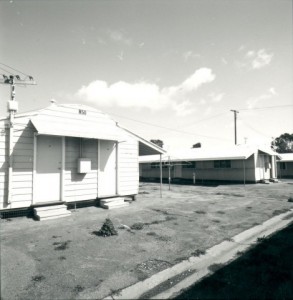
(128, 167)
(204, 171)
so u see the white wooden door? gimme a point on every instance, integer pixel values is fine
(107, 178)
(48, 169)
(264, 166)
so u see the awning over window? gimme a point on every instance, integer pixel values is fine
(78, 128)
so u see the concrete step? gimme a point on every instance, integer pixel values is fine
(274, 180)
(109, 200)
(51, 207)
(51, 212)
(114, 205)
(67, 214)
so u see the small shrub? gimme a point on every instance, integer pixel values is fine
(78, 289)
(61, 245)
(201, 212)
(290, 199)
(198, 252)
(107, 229)
(261, 239)
(215, 267)
(38, 278)
(137, 226)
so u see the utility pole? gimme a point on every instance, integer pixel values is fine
(12, 108)
(235, 124)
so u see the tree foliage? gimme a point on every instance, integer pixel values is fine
(197, 145)
(283, 143)
(158, 142)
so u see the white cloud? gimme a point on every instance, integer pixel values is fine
(261, 59)
(146, 95)
(273, 91)
(190, 55)
(255, 59)
(198, 78)
(216, 97)
(252, 102)
(119, 37)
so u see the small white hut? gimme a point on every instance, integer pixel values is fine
(67, 153)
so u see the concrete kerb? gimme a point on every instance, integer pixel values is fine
(219, 254)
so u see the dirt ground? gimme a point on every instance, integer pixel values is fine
(65, 259)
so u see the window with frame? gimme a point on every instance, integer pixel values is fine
(282, 166)
(189, 165)
(156, 165)
(222, 164)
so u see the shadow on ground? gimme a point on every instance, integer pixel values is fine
(264, 272)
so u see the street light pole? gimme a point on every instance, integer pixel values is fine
(235, 124)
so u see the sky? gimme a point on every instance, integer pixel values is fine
(171, 70)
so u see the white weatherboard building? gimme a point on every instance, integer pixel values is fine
(285, 165)
(67, 153)
(234, 164)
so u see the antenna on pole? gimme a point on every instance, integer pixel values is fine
(14, 80)
(12, 107)
(235, 124)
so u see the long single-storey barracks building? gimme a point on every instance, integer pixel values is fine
(67, 153)
(285, 165)
(235, 164)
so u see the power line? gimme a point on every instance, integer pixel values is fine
(6, 71)
(14, 69)
(168, 128)
(267, 107)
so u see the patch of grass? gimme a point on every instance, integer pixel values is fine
(170, 218)
(288, 217)
(78, 288)
(62, 258)
(151, 233)
(220, 212)
(279, 211)
(200, 212)
(216, 221)
(61, 245)
(249, 207)
(137, 226)
(198, 252)
(180, 259)
(261, 239)
(229, 240)
(229, 194)
(38, 278)
(215, 267)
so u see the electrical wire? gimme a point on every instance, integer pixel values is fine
(267, 107)
(6, 71)
(168, 128)
(257, 131)
(14, 69)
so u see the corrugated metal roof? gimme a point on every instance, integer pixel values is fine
(232, 153)
(77, 128)
(65, 120)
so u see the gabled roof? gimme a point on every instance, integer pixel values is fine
(146, 148)
(200, 154)
(286, 157)
(78, 120)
